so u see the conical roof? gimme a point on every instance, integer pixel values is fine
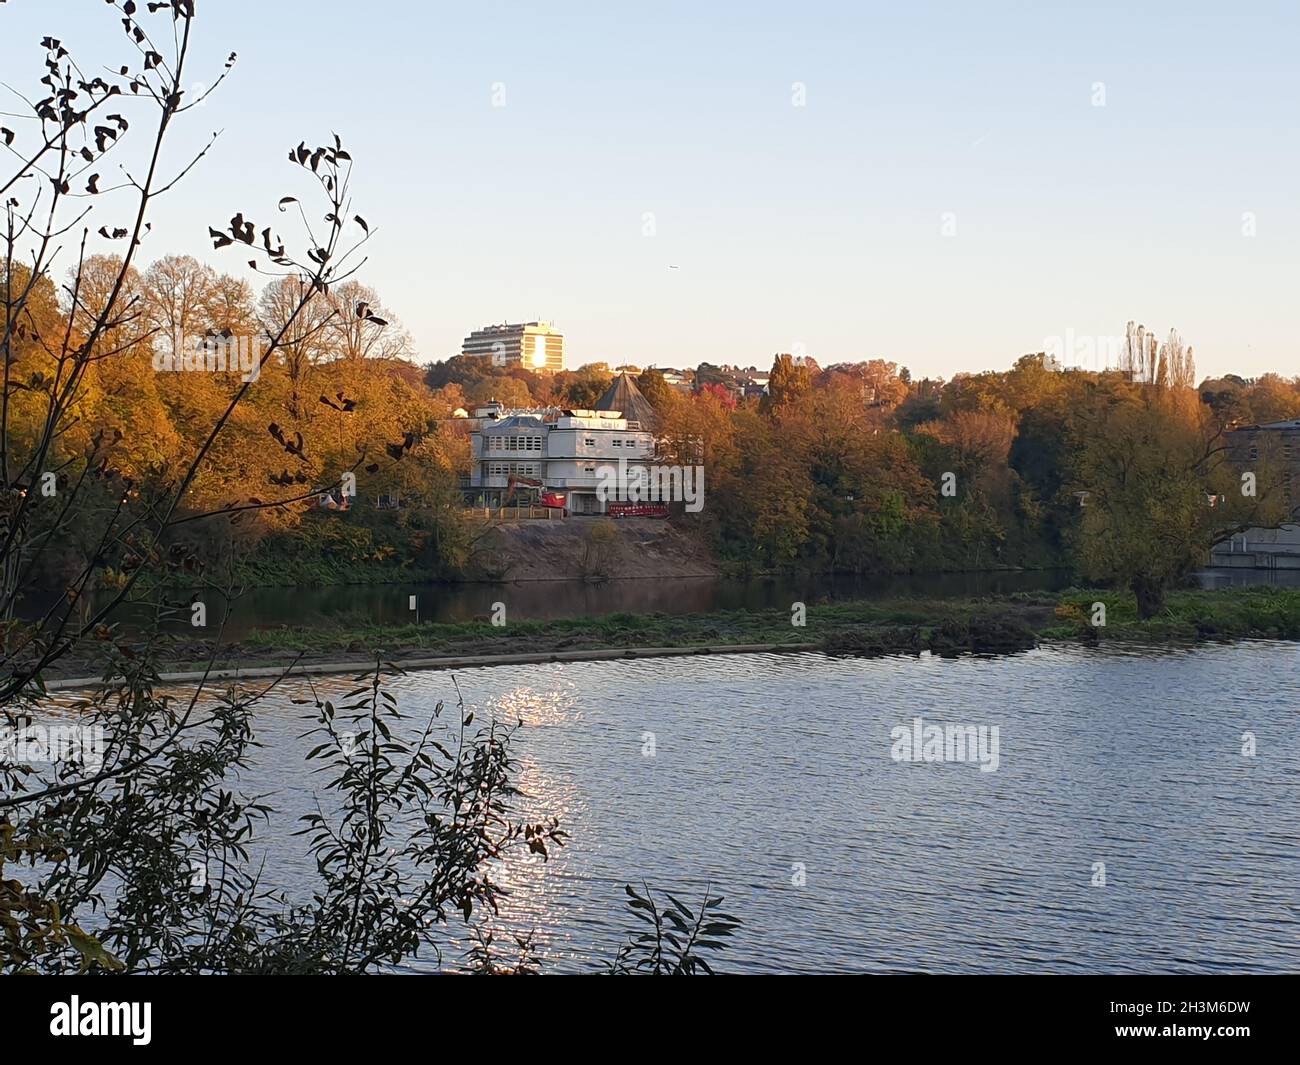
(624, 397)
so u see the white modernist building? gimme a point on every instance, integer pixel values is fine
(563, 449)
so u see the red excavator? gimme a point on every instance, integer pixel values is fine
(547, 499)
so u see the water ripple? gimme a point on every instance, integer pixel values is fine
(1129, 757)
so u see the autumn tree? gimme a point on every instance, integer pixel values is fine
(878, 382)
(177, 293)
(361, 327)
(1273, 398)
(293, 310)
(864, 488)
(582, 389)
(1157, 492)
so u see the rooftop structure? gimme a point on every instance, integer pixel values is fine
(624, 396)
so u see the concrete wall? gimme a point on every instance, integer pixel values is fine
(1260, 549)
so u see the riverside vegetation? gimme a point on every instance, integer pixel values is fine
(990, 624)
(898, 625)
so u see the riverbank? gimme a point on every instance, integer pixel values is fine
(590, 549)
(984, 625)
(897, 624)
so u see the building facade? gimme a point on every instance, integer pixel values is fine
(1275, 447)
(535, 346)
(1259, 549)
(564, 450)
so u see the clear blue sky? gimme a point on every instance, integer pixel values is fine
(817, 228)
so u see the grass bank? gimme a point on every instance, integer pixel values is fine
(1223, 613)
(862, 625)
(989, 625)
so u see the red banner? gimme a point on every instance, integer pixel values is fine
(637, 510)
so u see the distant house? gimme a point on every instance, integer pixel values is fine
(676, 380)
(493, 410)
(740, 383)
(1276, 444)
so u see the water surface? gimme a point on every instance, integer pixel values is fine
(763, 763)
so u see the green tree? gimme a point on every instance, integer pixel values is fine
(1158, 493)
(657, 392)
(787, 382)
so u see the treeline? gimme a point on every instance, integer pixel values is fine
(338, 397)
(855, 467)
(859, 468)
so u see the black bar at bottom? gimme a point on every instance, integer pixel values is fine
(991, 1013)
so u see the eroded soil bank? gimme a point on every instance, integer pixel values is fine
(583, 548)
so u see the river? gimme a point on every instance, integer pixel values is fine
(764, 766)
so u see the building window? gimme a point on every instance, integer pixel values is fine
(513, 443)
(506, 469)
(617, 443)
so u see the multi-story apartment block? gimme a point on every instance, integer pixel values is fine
(1274, 449)
(1277, 445)
(533, 345)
